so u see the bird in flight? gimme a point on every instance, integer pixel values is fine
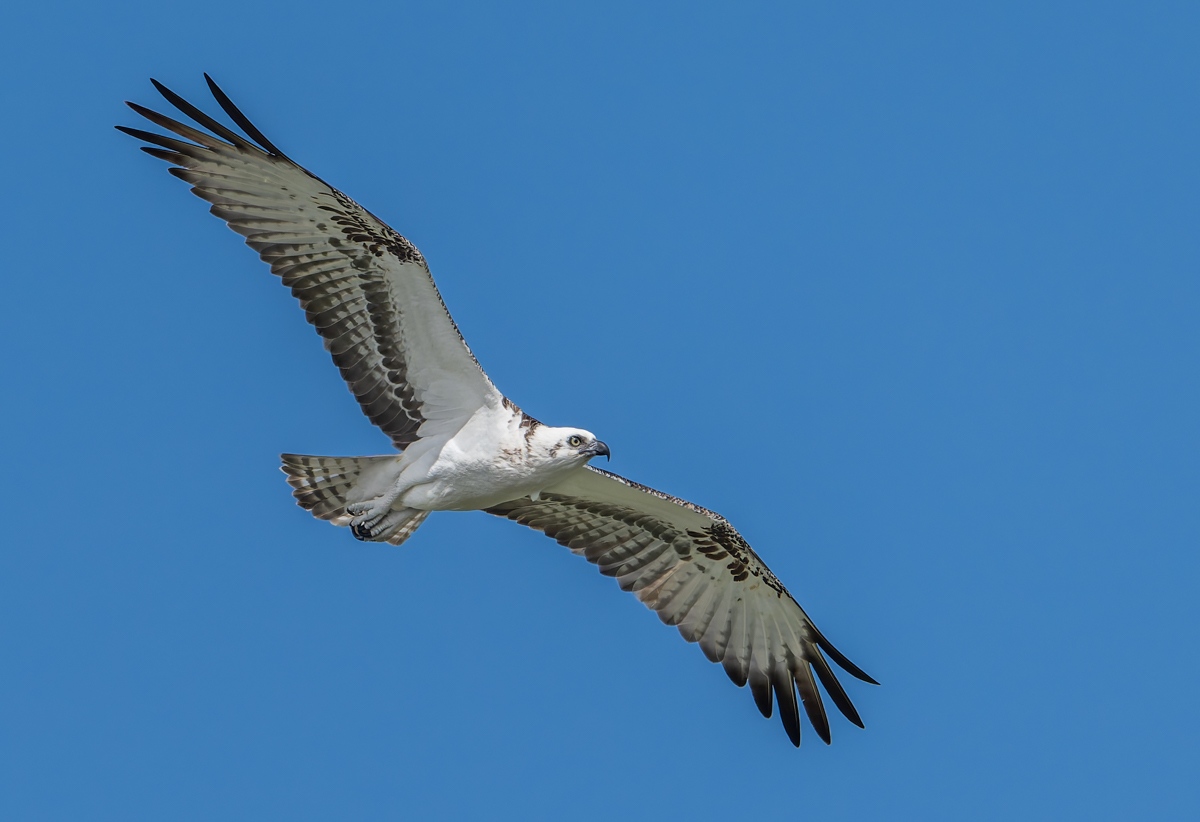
(464, 446)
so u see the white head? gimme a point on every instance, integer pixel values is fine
(563, 446)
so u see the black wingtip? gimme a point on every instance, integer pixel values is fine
(760, 687)
(813, 706)
(785, 696)
(835, 690)
(241, 119)
(148, 137)
(163, 154)
(200, 117)
(163, 90)
(142, 110)
(156, 139)
(838, 657)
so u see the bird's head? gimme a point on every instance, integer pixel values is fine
(567, 444)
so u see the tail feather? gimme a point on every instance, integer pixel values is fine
(324, 486)
(405, 531)
(321, 484)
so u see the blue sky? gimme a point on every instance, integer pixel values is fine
(908, 293)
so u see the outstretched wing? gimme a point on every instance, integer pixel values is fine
(692, 567)
(366, 289)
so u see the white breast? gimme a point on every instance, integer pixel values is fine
(487, 462)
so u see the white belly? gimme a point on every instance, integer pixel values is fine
(471, 486)
(483, 465)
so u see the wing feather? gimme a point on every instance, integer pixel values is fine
(694, 626)
(785, 694)
(811, 698)
(835, 690)
(366, 289)
(716, 637)
(690, 566)
(759, 678)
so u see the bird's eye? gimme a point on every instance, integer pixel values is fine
(574, 440)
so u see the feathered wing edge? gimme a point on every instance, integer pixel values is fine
(699, 575)
(356, 278)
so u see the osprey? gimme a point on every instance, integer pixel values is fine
(465, 446)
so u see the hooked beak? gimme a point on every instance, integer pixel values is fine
(597, 449)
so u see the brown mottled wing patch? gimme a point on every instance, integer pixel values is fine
(366, 289)
(697, 572)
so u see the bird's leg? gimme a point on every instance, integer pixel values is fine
(384, 526)
(368, 513)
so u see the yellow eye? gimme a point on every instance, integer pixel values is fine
(574, 440)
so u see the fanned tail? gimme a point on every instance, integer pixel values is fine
(323, 486)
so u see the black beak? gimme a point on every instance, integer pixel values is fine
(597, 449)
